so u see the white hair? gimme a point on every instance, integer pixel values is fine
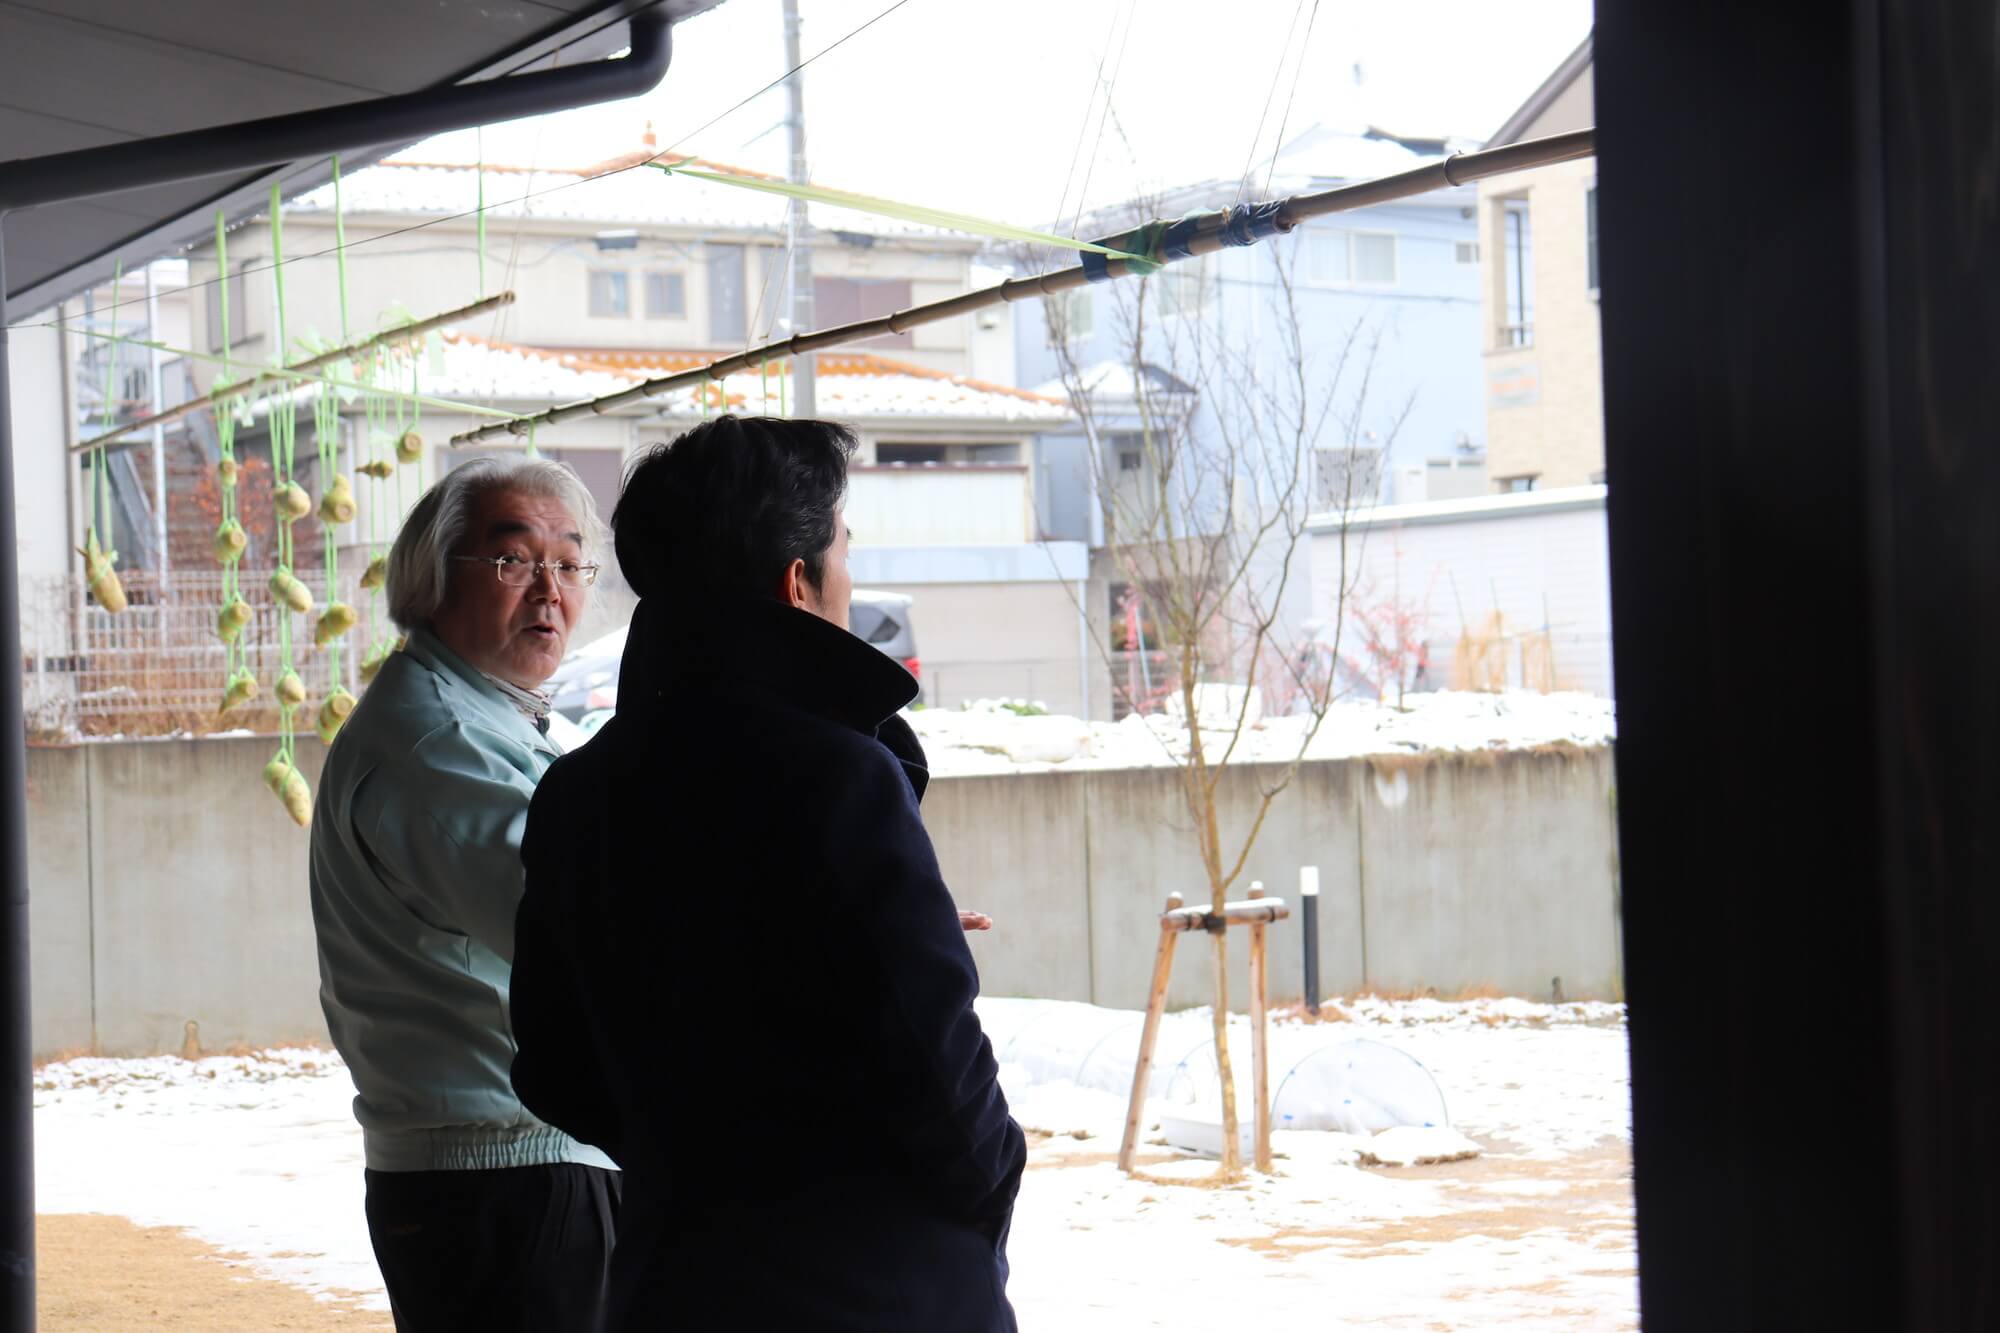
(419, 562)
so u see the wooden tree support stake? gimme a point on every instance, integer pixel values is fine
(1257, 913)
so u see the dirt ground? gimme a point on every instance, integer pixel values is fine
(100, 1273)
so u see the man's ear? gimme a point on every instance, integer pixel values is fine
(792, 585)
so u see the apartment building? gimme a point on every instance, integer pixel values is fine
(1539, 313)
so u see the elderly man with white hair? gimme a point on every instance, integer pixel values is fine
(481, 1215)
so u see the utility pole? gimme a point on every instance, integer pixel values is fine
(798, 231)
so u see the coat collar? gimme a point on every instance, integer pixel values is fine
(768, 646)
(492, 707)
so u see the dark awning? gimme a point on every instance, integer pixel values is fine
(84, 73)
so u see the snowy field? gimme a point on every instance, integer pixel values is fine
(259, 1154)
(986, 736)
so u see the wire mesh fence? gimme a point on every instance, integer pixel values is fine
(157, 667)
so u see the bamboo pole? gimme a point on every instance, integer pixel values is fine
(1458, 169)
(1260, 1061)
(1156, 1004)
(112, 439)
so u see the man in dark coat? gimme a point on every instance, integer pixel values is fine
(738, 969)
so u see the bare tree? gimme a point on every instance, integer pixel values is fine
(1211, 441)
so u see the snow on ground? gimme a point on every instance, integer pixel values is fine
(259, 1154)
(987, 736)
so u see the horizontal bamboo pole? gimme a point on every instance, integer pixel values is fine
(402, 332)
(1458, 169)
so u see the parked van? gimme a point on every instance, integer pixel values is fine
(585, 686)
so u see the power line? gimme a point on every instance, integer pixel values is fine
(532, 194)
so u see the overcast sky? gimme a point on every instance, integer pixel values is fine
(998, 109)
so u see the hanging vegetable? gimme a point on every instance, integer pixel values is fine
(379, 469)
(409, 447)
(230, 541)
(225, 473)
(291, 691)
(231, 619)
(286, 587)
(371, 665)
(289, 785)
(377, 573)
(241, 688)
(337, 505)
(336, 620)
(333, 713)
(99, 573)
(291, 501)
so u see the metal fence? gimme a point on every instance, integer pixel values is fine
(157, 668)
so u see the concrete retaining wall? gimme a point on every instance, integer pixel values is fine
(169, 887)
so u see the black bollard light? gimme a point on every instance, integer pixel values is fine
(1309, 921)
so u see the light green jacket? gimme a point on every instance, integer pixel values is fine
(416, 874)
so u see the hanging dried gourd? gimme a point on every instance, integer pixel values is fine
(291, 691)
(241, 688)
(377, 573)
(333, 713)
(289, 785)
(226, 473)
(231, 619)
(337, 505)
(336, 620)
(230, 542)
(379, 470)
(291, 592)
(371, 665)
(409, 447)
(100, 573)
(291, 502)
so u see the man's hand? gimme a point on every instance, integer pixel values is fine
(975, 921)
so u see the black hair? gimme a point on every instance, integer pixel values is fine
(725, 509)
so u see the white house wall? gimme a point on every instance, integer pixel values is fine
(1537, 567)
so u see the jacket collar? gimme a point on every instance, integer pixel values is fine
(767, 646)
(478, 693)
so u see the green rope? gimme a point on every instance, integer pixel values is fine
(340, 246)
(480, 211)
(890, 208)
(531, 441)
(278, 271)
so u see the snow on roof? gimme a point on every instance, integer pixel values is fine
(1113, 381)
(851, 384)
(620, 191)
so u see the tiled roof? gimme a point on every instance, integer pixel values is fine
(856, 385)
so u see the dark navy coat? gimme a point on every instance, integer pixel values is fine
(739, 972)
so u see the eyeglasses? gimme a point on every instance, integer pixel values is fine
(516, 572)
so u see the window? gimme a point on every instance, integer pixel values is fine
(1346, 479)
(1184, 287)
(666, 296)
(1467, 252)
(848, 300)
(728, 317)
(1359, 258)
(907, 454)
(610, 294)
(1517, 325)
(1517, 485)
(1072, 316)
(1590, 232)
(1130, 460)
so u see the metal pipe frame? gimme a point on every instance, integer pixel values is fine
(27, 182)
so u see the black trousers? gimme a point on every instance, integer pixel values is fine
(526, 1248)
